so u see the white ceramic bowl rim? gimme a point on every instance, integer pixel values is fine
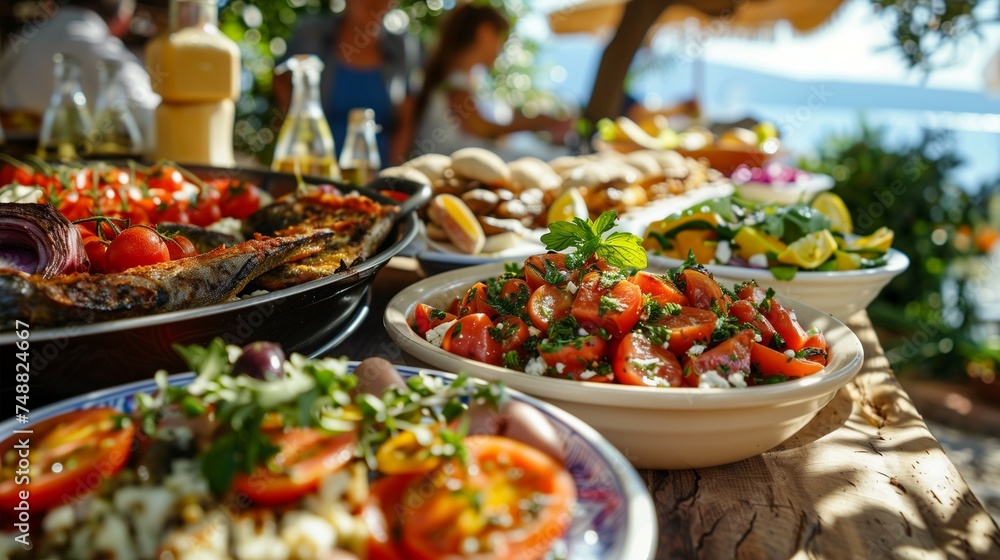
(895, 264)
(847, 356)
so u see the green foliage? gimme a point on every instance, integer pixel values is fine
(925, 315)
(928, 33)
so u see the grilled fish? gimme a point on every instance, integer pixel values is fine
(359, 224)
(209, 278)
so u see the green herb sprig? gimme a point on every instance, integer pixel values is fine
(620, 249)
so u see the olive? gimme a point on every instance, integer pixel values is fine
(261, 360)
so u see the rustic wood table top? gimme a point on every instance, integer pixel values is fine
(864, 479)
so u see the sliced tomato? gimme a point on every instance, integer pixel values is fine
(474, 301)
(426, 318)
(660, 288)
(689, 327)
(510, 331)
(384, 517)
(638, 361)
(816, 349)
(470, 337)
(785, 324)
(548, 304)
(770, 362)
(89, 447)
(574, 357)
(616, 309)
(729, 356)
(701, 289)
(747, 314)
(751, 292)
(538, 270)
(447, 518)
(306, 456)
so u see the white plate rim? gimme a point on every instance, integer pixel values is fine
(896, 263)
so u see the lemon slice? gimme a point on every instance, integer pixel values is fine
(833, 207)
(847, 261)
(751, 241)
(567, 206)
(880, 241)
(810, 251)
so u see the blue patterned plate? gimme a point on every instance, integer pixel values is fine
(614, 515)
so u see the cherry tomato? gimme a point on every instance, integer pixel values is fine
(205, 213)
(180, 247)
(638, 361)
(470, 337)
(616, 309)
(689, 327)
(169, 211)
(701, 290)
(426, 318)
(747, 314)
(306, 456)
(547, 304)
(574, 357)
(751, 292)
(729, 356)
(165, 177)
(539, 269)
(660, 288)
(242, 200)
(510, 331)
(11, 174)
(816, 349)
(771, 362)
(474, 301)
(89, 445)
(537, 504)
(97, 250)
(136, 246)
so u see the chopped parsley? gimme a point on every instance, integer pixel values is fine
(608, 304)
(512, 360)
(437, 314)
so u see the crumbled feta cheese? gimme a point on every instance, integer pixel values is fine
(790, 353)
(436, 335)
(712, 380)
(308, 534)
(535, 366)
(737, 379)
(572, 287)
(644, 362)
(759, 260)
(560, 367)
(750, 219)
(582, 331)
(654, 381)
(756, 337)
(534, 331)
(587, 374)
(723, 252)
(696, 350)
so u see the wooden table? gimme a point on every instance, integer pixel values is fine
(864, 479)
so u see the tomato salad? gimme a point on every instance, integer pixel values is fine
(263, 457)
(106, 201)
(577, 316)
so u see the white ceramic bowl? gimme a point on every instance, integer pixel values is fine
(839, 293)
(674, 428)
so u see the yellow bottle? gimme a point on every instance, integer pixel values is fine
(196, 70)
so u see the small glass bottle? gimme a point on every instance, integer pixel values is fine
(305, 143)
(66, 123)
(359, 160)
(116, 132)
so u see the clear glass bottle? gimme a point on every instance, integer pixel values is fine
(115, 133)
(305, 143)
(66, 123)
(360, 160)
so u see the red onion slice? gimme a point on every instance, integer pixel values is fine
(37, 239)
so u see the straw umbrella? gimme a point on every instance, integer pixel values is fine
(634, 19)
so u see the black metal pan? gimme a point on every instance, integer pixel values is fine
(71, 360)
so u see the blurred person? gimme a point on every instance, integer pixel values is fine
(365, 65)
(448, 115)
(88, 30)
